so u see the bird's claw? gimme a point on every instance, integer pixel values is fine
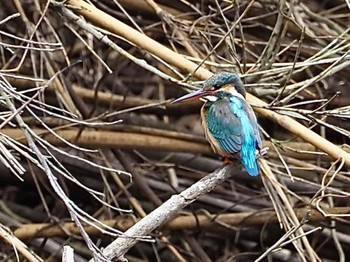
(227, 161)
(263, 151)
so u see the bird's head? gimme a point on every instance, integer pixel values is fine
(213, 86)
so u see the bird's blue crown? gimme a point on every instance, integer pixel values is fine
(225, 78)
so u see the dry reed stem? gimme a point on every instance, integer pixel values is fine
(149, 138)
(180, 222)
(286, 213)
(18, 245)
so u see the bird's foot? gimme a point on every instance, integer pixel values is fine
(263, 151)
(227, 161)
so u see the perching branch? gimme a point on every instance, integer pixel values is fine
(118, 248)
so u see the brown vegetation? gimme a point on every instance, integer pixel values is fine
(93, 154)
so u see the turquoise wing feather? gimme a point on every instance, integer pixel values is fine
(224, 126)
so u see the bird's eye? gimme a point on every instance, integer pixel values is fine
(216, 87)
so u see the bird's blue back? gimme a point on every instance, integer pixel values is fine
(232, 123)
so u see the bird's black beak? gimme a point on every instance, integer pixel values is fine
(191, 96)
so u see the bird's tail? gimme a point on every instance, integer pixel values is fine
(249, 162)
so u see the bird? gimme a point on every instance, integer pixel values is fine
(228, 120)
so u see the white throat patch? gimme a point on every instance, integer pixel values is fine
(210, 98)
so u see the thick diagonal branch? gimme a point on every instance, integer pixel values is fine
(168, 210)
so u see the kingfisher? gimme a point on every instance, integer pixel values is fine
(228, 120)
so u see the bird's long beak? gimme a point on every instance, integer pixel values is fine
(191, 96)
